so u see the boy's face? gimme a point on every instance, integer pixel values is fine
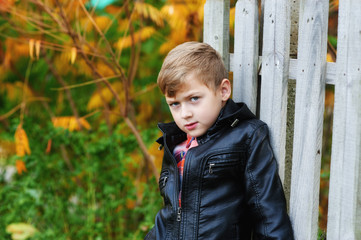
(195, 107)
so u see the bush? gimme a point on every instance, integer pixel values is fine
(87, 187)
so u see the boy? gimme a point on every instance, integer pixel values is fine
(219, 177)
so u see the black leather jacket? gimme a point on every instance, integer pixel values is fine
(230, 187)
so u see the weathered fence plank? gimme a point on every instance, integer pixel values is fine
(275, 62)
(216, 27)
(344, 214)
(310, 90)
(245, 57)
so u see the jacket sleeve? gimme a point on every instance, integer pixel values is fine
(265, 196)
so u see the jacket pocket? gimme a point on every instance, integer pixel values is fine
(224, 164)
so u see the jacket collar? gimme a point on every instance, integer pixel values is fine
(231, 114)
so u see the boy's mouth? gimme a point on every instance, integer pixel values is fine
(191, 126)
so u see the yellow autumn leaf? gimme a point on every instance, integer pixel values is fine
(167, 46)
(85, 24)
(16, 48)
(185, 20)
(145, 112)
(329, 58)
(73, 53)
(176, 16)
(149, 11)
(104, 69)
(84, 123)
(10, 89)
(83, 68)
(31, 48)
(232, 15)
(70, 123)
(7, 148)
(24, 88)
(141, 35)
(123, 25)
(102, 22)
(21, 142)
(73, 124)
(16, 90)
(21, 231)
(96, 100)
(61, 61)
(37, 49)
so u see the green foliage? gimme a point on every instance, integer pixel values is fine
(333, 41)
(87, 197)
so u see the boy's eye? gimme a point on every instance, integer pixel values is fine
(194, 99)
(174, 104)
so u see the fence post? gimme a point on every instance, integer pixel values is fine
(344, 214)
(245, 57)
(275, 61)
(216, 27)
(310, 90)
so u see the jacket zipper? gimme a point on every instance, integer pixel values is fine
(210, 170)
(179, 212)
(178, 209)
(165, 180)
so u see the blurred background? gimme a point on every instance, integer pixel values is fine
(79, 106)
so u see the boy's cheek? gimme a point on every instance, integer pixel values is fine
(174, 114)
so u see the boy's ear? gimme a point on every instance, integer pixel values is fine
(226, 89)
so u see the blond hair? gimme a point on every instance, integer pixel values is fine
(189, 58)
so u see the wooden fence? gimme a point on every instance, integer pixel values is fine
(312, 73)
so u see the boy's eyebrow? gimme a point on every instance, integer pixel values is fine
(171, 100)
(191, 94)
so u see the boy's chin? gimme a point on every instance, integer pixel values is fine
(194, 133)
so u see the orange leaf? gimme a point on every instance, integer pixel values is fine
(329, 99)
(5, 5)
(48, 147)
(20, 166)
(21, 142)
(130, 204)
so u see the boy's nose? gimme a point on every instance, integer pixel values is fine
(186, 113)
